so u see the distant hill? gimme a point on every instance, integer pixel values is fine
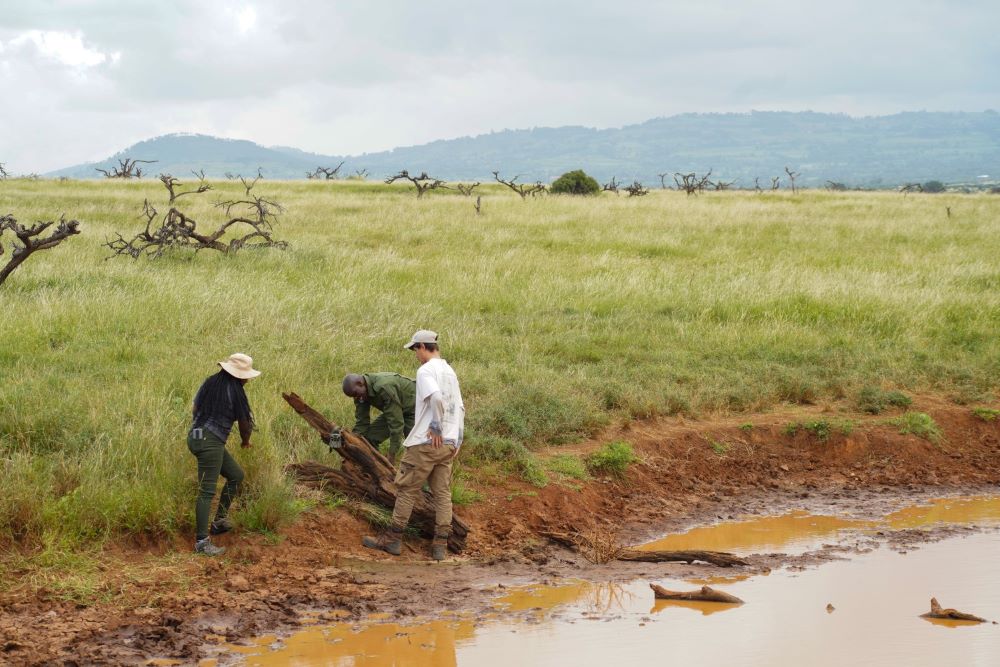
(869, 151)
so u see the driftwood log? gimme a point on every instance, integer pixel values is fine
(365, 473)
(720, 558)
(952, 614)
(703, 594)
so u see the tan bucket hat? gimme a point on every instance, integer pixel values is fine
(422, 336)
(239, 366)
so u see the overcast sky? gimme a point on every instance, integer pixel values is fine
(80, 80)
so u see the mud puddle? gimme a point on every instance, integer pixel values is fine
(876, 598)
(799, 531)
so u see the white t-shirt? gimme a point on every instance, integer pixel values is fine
(437, 377)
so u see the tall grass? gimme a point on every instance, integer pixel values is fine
(559, 314)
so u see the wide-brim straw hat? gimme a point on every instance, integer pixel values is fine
(239, 366)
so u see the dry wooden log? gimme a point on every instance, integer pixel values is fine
(953, 614)
(704, 594)
(365, 473)
(720, 558)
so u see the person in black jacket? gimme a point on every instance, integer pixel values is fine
(220, 402)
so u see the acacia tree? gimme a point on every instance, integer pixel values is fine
(422, 183)
(467, 189)
(691, 183)
(611, 186)
(3, 173)
(31, 240)
(636, 190)
(127, 168)
(792, 175)
(252, 216)
(523, 189)
(328, 173)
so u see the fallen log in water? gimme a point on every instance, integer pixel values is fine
(720, 558)
(937, 612)
(365, 473)
(704, 594)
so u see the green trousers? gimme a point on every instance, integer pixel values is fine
(378, 432)
(213, 460)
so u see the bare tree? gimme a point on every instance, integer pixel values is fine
(663, 180)
(422, 183)
(249, 185)
(361, 174)
(522, 189)
(230, 176)
(691, 183)
(792, 175)
(636, 190)
(127, 168)
(253, 216)
(467, 189)
(722, 185)
(328, 173)
(170, 183)
(611, 186)
(835, 186)
(756, 185)
(907, 188)
(775, 182)
(479, 205)
(30, 241)
(3, 173)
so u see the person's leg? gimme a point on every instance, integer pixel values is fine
(233, 473)
(414, 469)
(208, 450)
(440, 483)
(378, 432)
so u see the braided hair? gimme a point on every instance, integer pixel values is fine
(217, 395)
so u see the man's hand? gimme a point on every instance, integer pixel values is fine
(245, 444)
(436, 440)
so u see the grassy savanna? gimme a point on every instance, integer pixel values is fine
(560, 314)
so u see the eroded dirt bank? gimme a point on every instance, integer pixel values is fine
(155, 600)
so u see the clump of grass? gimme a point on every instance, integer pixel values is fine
(612, 459)
(720, 448)
(821, 428)
(874, 400)
(919, 424)
(531, 470)
(986, 414)
(567, 465)
(269, 508)
(461, 494)
(746, 427)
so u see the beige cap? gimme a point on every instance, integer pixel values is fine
(239, 366)
(422, 336)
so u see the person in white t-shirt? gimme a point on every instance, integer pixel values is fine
(429, 449)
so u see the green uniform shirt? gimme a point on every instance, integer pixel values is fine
(396, 397)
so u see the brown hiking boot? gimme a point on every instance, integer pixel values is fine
(389, 541)
(439, 546)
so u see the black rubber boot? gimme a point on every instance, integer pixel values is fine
(439, 546)
(389, 541)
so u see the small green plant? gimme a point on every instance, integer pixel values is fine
(874, 400)
(747, 427)
(821, 428)
(720, 448)
(612, 459)
(567, 465)
(919, 424)
(462, 494)
(575, 183)
(531, 470)
(986, 414)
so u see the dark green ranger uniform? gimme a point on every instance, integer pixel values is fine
(396, 397)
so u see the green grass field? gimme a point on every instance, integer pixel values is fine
(559, 314)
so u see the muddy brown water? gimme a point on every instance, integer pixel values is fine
(876, 598)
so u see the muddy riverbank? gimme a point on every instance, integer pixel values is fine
(155, 600)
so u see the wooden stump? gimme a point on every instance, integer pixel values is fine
(365, 473)
(937, 612)
(704, 594)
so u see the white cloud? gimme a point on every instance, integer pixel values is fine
(64, 48)
(246, 20)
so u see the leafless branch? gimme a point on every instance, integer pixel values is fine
(30, 241)
(170, 183)
(479, 205)
(523, 189)
(775, 182)
(361, 174)
(422, 183)
(835, 186)
(792, 175)
(691, 183)
(328, 173)
(636, 190)
(127, 168)
(467, 189)
(756, 185)
(663, 181)
(3, 172)
(911, 187)
(611, 186)
(248, 186)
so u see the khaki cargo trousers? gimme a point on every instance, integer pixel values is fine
(424, 463)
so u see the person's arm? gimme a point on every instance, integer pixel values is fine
(437, 407)
(362, 417)
(245, 430)
(393, 412)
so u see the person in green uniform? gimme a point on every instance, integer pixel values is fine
(394, 396)
(220, 402)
